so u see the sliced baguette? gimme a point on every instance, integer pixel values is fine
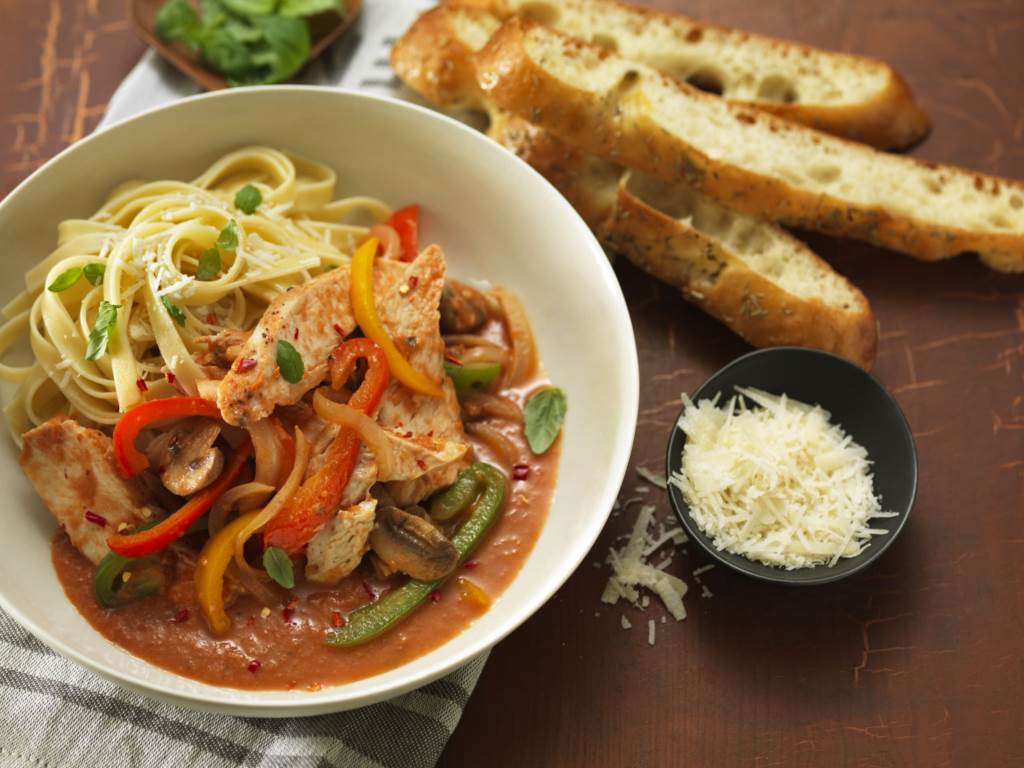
(762, 283)
(749, 160)
(851, 96)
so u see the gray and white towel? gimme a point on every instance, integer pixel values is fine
(54, 714)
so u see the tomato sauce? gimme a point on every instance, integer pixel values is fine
(285, 649)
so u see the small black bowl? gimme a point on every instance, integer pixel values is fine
(859, 404)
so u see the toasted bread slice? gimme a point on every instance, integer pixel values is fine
(851, 96)
(762, 283)
(749, 160)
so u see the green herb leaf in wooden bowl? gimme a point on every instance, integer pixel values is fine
(221, 43)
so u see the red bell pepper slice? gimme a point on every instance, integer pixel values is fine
(130, 460)
(317, 500)
(405, 221)
(173, 527)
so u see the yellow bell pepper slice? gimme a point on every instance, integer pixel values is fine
(213, 563)
(365, 311)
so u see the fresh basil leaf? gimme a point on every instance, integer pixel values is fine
(543, 417)
(290, 362)
(279, 566)
(177, 20)
(248, 199)
(308, 7)
(225, 53)
(173, 310)
(285, 46)
(65, 280)
(227, 240)
(94, 272)
(209, 265)
(250, 7)
(102, 330)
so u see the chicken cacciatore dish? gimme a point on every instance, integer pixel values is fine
(284, 447)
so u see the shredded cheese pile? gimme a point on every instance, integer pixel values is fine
(630, 569)
(779, 484)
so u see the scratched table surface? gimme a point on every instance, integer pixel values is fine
(917, 662)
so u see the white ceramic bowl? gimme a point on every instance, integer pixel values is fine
(495, 218)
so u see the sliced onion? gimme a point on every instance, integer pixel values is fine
(482, 405)
(242, 498)
(524, 349)
(483, 354)
(281, 498)
(389, 241)
(496, 441)
(269, 452)
(256, 583)
(207, 389)
(369, 431)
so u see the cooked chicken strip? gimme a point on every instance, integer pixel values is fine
(414, 456)
(74, 472)
(336, 551)
(413, 321)
(314, 318)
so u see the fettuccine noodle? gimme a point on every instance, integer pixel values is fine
(149, 236)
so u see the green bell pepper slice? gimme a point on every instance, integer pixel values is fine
(373, 619)
(472, 377)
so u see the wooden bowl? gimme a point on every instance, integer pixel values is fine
(324, 29)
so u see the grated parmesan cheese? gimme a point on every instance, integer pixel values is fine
(652, 477)
(631, 570)
(650, 631)
(779, 484)
(626, 623)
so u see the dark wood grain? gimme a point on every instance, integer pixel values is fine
(917, 662)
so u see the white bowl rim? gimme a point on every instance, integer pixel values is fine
(333, 698)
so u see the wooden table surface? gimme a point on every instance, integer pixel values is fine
(917, 662)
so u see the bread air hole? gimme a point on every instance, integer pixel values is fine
(825, 174)
(605, 41)
(543, 13)
(933, 185)
(707, 79)
(777, 88)
(1016, 202)
(1000, 221)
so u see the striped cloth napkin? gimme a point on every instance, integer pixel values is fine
(54, 714)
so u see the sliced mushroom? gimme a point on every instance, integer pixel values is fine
(185, 456)
(463, 308)
(412, 545)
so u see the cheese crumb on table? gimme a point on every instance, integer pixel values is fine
(631, 570)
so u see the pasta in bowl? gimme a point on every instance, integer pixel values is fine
(287, 448)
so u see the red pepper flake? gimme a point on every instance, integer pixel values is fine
(407, 435)
(337, 620)
(245, 364)
(295, 336)
(413, 280)
(141, 384)
(521, 471)
(211, 319)
(170, 377)
(469, 565)
(435, 596)
(338, 330)
(254, 666)
(421, 464)
(452, 358)
(181, 616)
(95, 519)
(286, 614)
(369, 590)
